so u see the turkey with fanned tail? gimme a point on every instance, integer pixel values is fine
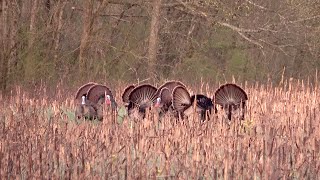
(164, 93)
(125, 95)
(141, 99)
(84, 108)
(103, 99)
(188, 106)
(232, 99)
(82, 91)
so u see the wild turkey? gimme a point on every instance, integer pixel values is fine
(204, 103)
(140, 99)
(164, 92)
(84, 108)
(185, 104)
(102, 97)
(125, 95)
(171, 85)
(82, 91)
(232, 98)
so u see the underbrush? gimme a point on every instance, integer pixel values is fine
(279, 138)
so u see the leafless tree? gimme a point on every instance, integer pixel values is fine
(154, 36)
(184, 39)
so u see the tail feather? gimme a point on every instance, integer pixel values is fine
(230, 94)
(180, 99)
(143, 95)
(170, 85)
(166, 96)
(126, 93)
(165, 100)
(231, 97)
(165, 93)
(83, 90)
(98, 91)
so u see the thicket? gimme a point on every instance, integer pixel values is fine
(46, 41)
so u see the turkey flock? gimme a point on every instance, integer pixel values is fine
(95, 101)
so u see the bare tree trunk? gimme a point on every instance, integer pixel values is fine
(58, 29)
(32, 27)
(14, 27)
(86, 32)
(89, 16)
(4, 48)
(153, 38)
(9, 28)
(115, 27)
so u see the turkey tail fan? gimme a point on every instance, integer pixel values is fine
(98, 91)
(231, 96)
(83, 90)
(165, 95)
(170, 85)
(126, 93)
(143, 95)
(180, 99)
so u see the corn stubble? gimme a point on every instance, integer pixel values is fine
(279, 138)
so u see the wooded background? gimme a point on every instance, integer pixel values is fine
(125, 40)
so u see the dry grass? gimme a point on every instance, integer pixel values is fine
(279, 139)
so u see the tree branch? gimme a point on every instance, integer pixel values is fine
(250, 40)
(241, 32)
(305, 19)
(257, 5)
(239, 29)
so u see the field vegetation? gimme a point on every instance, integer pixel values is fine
(279, 139)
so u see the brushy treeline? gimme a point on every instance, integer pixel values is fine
(279, 138)
(79, 40)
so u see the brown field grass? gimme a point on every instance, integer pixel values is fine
(279, 139)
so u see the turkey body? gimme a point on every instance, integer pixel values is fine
(191, 106)
(86, 111)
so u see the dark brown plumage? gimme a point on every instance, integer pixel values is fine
(164, 101)
(164, 92)
(126, 93)
(84, 108)
(141, 98)
(185, 104)
(98, 91)
(170, 85)
(83, 91)
(165, 96)
(181, 99)
(102, 97)
(231, 97)
(86, 111)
